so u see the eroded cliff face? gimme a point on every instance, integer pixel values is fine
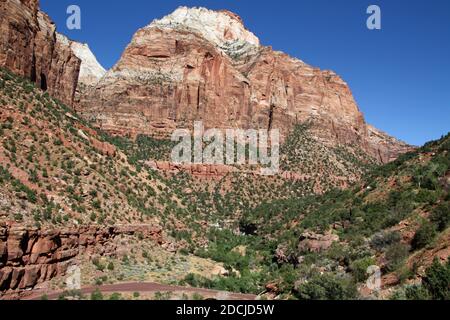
(197, 64)
(31, 47)
(30, 256)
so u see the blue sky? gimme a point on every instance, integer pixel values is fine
(400, 75)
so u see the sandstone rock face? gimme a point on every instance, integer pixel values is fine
(30, 256)
(197, 64)
(91, 70)
(218, 27)
(31, 47)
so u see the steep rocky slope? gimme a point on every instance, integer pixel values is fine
(198, 64)
(61, 183)
(397, 219)
(60, 187)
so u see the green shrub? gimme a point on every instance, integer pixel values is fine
(96, 262)
(115, 296)
(441, 216)
(327, 287)
(384, 239)
(96, 295)
(359, 268)
(197, 297)
(396, 255)
(437, 280)
(70, 293)
(184, 251)
(417, 292)
(424, 236)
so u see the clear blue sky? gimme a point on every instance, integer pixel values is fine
(400, 76)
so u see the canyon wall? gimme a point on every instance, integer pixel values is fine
(31, 47)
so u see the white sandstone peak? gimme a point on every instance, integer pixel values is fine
(220, 27)
(91, 70)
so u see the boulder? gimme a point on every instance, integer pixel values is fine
(313, 242)
(44, 246)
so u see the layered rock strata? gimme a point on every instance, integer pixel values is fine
(198, 64)
(30, 256)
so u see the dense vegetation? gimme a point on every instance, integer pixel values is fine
(366, 218)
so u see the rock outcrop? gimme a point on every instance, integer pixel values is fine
(216, 171)
(387, 147)
(196, 170)
(30, 256)
(31, 47)
(313, 242)
(198, 64)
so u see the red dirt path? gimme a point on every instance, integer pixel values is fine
(142, 287)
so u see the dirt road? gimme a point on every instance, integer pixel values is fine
(144, 287)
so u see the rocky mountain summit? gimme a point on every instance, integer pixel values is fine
(198, 64)
(219, 27)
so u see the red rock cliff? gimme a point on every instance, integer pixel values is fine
(31, 47)
(198, 64)
(30, 256)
